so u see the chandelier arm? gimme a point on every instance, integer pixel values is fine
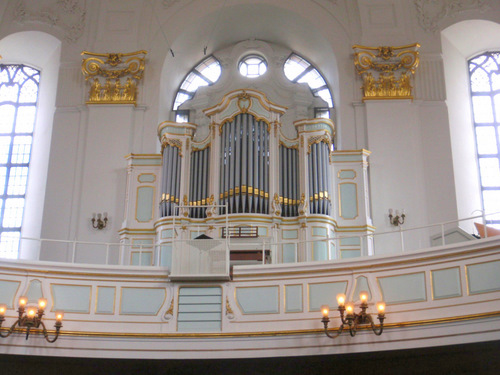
(339, 331)
(11, 329)
(353, 325)
(46, 334)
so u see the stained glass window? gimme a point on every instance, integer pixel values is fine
(18, 106)
(484, 73)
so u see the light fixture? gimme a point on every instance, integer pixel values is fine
(31, 317)
(100, 222)
(398, 219)
(351, 319)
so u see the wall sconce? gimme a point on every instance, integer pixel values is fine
(353, 320)
(100, 222)
(398, 219)
(31, 317)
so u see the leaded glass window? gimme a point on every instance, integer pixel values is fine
(18, 106)
(485, 91)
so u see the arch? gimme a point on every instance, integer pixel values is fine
(41, 51)
(461, 41)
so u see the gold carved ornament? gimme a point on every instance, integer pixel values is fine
(171, 142)
(318, 139)
(386, 71)
(113, 77)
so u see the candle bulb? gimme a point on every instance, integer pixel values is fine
(349, 308)
(381, 308)
(59, 316)
(3, 309)
(42, 304)
(341, 299)
(23, 301)
(325, 310)
(363, 296)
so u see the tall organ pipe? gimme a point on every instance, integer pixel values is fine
(171, 180)
(245, 165)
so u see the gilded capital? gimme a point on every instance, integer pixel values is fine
(113, 77)
(386, 71)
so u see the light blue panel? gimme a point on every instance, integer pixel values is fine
(199, 316)
(71, 298)
(142, 301)
(145, 243)
(167, 233)
(446, 283)
(146, 177)
(289, 251)
(347, 174)
(342, 158)
(152, 161)
(210, 291)
(483, 277)
(346, 254)
(258, 300)
(361, 286)
(8, 290)
(144, 259)
(348, 200)
(105, 300)
(166, 256)
(403, 288)
(320, 232)
(199, 299)
(325, 294)
(203, 326)
(320, 250)
(34, 292)
(290, 234)
(259, 109)
(350, 241)
(209, 308)
(262, 231)
(293, 298)
(145, 199)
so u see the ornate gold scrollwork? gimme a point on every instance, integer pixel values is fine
(113, 77)
(386, 71)
(317, 139)
(172, 142)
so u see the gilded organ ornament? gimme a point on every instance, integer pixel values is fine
(113, 77)
(386, 71)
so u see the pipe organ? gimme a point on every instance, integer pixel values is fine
(289, 189)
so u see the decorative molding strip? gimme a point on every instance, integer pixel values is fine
(113, 79)
(386, 71)
(67, 15)
(431, 12)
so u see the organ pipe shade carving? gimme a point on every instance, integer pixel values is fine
(244, 165)
(289, 181)
(319, 178)
(199, 177)
(171, 180)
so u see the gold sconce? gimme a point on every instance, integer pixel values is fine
(351, 319)
(397, 220)
(100, 222)
(113, 77)
(31, 317)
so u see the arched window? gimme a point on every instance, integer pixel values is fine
(205, 73)
(18, 105)
(484, 73)
(299, 70)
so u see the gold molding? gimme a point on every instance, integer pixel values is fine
(113, 77)
(386, 71)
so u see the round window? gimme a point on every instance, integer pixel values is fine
(252, 66)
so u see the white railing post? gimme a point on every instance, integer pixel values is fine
(74, 252)
(443, 242)
(484, 223)
(107, 253)
(263, 252)
(140, 255)
(402, 239)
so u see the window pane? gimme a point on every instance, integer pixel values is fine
(210, 68)
(294, 66)
(491, 199)
(490, 172)
(13, 213)
(25, 119)
(313, 79)
(9, 93)
(486, 140)
(29, 92)
(3, 175)
(18, 177)
(193, 82)
(7, 113)
(4, 149)
(483, 112)
(325, 95)
(9, 244)
(21, 150)
(480, 82)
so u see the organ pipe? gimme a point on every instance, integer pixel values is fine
(244, 164)
(198, 191)
(319, 177)
(171, 180)
(289, 182)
